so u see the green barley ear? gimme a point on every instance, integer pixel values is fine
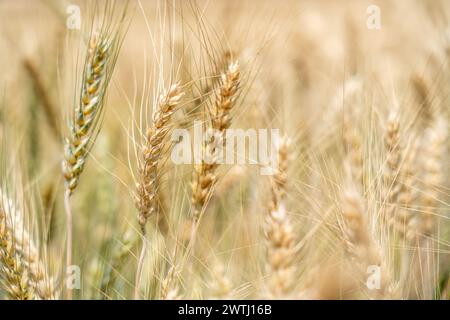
(84, 124)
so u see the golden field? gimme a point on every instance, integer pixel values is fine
(93, 206)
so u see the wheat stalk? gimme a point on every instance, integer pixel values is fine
(146, 195)
(278, 231)
(147, 188)
(15, 279)
(205, 177)
(404, 216)
(118, 260)
(359, 242)
(391, 186)
(358, 239)
(84, 125)
(220, 286)
(25, 272)
(434, 147)
(169, 291)
(87, 113)
(353, 144)
(434, 144)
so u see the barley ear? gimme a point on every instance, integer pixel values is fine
(391, 186)
(152, 151)
(24, 273)
(204, 177)
(434, 144)
(14, 278)
(280, 240)
(84, 123)
(87, 114)
(146, 194)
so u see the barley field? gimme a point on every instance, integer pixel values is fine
(99, 100)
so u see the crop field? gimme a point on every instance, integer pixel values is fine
(249, 149)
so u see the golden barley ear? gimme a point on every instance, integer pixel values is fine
(147, 188)
(169, 288)
(359, 242)
(358, 239)
(391, 186)
(146, 194)
(353, 149)
(279, 234)
(24, 274)
(204, 176)
(424, 227)
(405, 215)
(14, 278)
(435, 144)
(221, 287)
